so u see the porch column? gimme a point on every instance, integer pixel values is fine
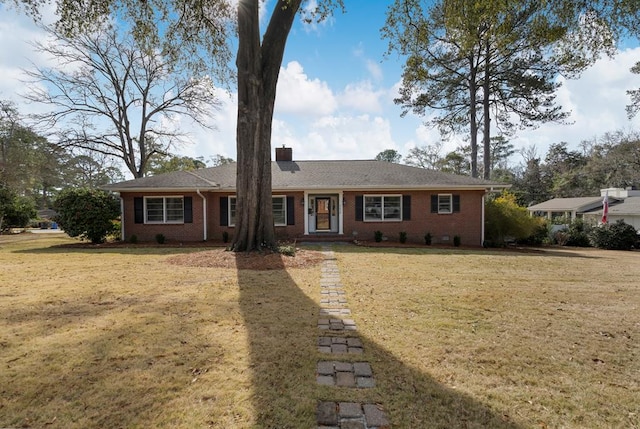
(306, 213)
(340, 213)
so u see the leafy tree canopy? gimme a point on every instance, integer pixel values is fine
(160, 164)
(389, 155)
(15, 211)
(87, 213)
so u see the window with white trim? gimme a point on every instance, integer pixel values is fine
(445, 203)
(382, 208)
(279, 204)
(164, 209)
(279, 211)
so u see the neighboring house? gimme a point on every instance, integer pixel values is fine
(330, 199)
(566, 208)
(626, 209)
(624, 204)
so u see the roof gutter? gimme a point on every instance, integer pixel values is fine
(204, 214)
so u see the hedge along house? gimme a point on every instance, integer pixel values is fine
(321, 199)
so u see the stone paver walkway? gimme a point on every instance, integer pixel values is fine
(338, 337)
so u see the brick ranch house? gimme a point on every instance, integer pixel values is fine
(320, 199)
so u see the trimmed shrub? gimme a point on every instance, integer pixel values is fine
(427, 239)
(616, 236)
(403, 237)
(160, 238)
(225, 237)
(87, 213)
(377, 236)
(541, 235)
(456, 240)
(578, 234)
(287, 249)
(116, 234)
(15, 211)
(506, 219)
(133, 239)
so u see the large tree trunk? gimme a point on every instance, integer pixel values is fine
(473, 119)
(258, 69)
(486, 127)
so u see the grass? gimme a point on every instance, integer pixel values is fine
(492, 339)
(101, 338)
(117, 338)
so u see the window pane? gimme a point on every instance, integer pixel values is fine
(175, 210)
(279, 211)
(155, 210)
(444, 204)
(232, 211)
(372, 208)
(392, 208)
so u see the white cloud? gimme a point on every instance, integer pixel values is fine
(343, 137)
(362, 97)
(17, 33)
(320, 119)
(597, 101)
(222, 139)
(298, 94)
(375, 70)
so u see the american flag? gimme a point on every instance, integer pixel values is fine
(605, 207)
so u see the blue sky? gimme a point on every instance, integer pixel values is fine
(336, 90)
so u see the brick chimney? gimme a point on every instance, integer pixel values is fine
(284, 153)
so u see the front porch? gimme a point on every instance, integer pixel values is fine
(323, 215)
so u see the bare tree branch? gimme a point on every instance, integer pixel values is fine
(110, 96)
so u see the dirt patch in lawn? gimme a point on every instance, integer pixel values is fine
(220, 258)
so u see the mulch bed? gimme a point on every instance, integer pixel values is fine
(217, 256)
(266, 260)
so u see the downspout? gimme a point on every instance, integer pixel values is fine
(482, 226)
(204, 214)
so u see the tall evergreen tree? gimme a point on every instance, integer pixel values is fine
(484, 64)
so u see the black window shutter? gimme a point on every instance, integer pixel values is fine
(434, 203)
(359, 201)
(188, 209)
(224, 211)
(291, 215)
(138, 210)
(406, 207)
(456, 203)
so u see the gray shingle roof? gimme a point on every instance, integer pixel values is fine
(300, 175)
(567, 204)
(630, 206)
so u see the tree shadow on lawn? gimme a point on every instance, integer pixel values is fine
(82, 365)
(281, 321)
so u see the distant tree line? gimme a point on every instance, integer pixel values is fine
(612, 160)
(34, 170)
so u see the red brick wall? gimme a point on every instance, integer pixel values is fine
(467, 223)
(172, 232)
(282, 232)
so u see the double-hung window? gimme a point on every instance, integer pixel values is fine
(164, 209)
(382, 207)
(279, 204)
(445, 203)
(279, 211)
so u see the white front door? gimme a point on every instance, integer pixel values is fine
(323, 213)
